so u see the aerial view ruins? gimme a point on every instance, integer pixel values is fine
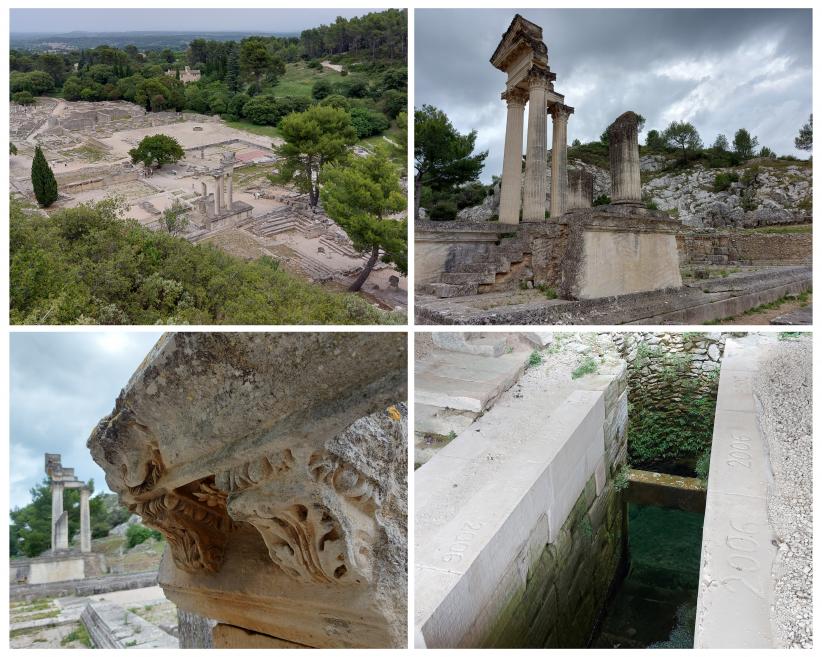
(254, 176)
(233, 508)
(613, 490)
(645, 217)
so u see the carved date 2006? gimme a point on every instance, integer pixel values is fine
(742, 547)
(740, 454)
(461, 541)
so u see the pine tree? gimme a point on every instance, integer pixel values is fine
(42, 179)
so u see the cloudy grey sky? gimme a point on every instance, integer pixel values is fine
(177, 20)
(61, 385)
(719, 69)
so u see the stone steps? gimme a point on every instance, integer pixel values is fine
(448, 290)
(111, 626)
(461, 278)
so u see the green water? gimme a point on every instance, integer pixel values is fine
(655, 603)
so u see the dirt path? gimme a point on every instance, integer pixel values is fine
(333, 67)
(763, 317)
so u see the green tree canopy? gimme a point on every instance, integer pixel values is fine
(442, 156)
(745, 144)
(42, 179)
(654, 141)
(359, 194)
(721, 143)
(683, 136)
(314, 138)
(157, 150)
(804, 141)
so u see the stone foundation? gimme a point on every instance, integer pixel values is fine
(527, 559)
(56, 568)
(728, 248)
(612, 252)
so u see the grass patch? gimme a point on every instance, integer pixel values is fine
(780, 230)
(534, 359)
(79, 634)
(299, 79)
(248, 126)
(548, 292)
(588, 365)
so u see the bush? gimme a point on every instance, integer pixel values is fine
(588, 365)
(315, 64)
(321, 89)
(443, 210)
(602, 199)
(469, 195)
(367, 122)
(137, 534)
(703, 467)
(394, 102)
(722, 181)
(22, 98)
(338, 101)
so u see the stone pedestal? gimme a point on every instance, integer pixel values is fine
(511, 184)
(559, 159)
(623, 152)
(282, 498)
(536, 162)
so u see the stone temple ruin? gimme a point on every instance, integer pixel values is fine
(62, 562)
(221, 185)
(282, 498)
(568, 261)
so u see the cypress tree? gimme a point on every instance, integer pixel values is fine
(42, 179)
(232, 76)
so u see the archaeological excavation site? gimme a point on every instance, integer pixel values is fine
(279, 503)
(613, 490)
(610, 231)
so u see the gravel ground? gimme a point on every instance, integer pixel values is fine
(783, 388)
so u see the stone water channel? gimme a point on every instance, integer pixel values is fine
(578, 549)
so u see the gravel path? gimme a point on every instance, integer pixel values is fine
(783, 388)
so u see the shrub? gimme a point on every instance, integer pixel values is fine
(367, 122)
(321, 89)
(703, 466)
(315, 64)
(42, 179)
(722, 181)
(22, 98)
(602, 199)
(443, 210)
(137, 534)
(534, 359)
(471, 194)
(588, 365)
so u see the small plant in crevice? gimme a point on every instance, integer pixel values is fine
(534, 359)
(622, 478)
(789, 335)
(588, 365)
(703, 467)
(549, 292)
(451, 435)
(587, 528)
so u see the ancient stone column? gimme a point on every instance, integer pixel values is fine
(230, 194)
(580, 189)
(204, 189)
(511, 185)
(623, 152)
(56, 513)
(218, 194)
(559, 159)
(85, 520)
(536, 164)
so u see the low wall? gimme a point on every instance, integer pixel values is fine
(519, 548)
(748, 248)
(58, 568)
(83, 587)
(738, 543)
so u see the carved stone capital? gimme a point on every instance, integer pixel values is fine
(515, 97)
(561, 112)
(539, 77)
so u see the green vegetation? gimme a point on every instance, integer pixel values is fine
(30, 528)
(42, 179)
(89, 265)
(622, 478)
(549, 292)
(682, 136)
(722, 181)
(534, 359)
(260, 79)
(444, 162)
(80, 634)
(157, 150)
(804, 141)
(787, 336)
(137, 534)
(795, 228)
(588, 365)
(703, 467)
(360, 194)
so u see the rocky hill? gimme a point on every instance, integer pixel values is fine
(760, 192)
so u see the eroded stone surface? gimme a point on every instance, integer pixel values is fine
(275, 466)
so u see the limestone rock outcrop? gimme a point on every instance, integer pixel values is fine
(275, 466)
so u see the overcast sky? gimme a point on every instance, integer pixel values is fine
(62, 384)
(175, 20)
(719, 69)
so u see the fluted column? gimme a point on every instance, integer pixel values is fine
(218, 195)
(230, 190)
(536, 164)
(85, 520)
(559, 160)
(511, 186)
(56, 512)
(623, 153)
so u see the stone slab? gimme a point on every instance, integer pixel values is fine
(799, 317)
(738, 543)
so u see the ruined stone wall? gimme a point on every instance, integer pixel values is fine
(568, 580)
(548, 243)
(672, 384)
(747, 248)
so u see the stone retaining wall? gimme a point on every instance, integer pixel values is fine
(532, 567)
(747, 248)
